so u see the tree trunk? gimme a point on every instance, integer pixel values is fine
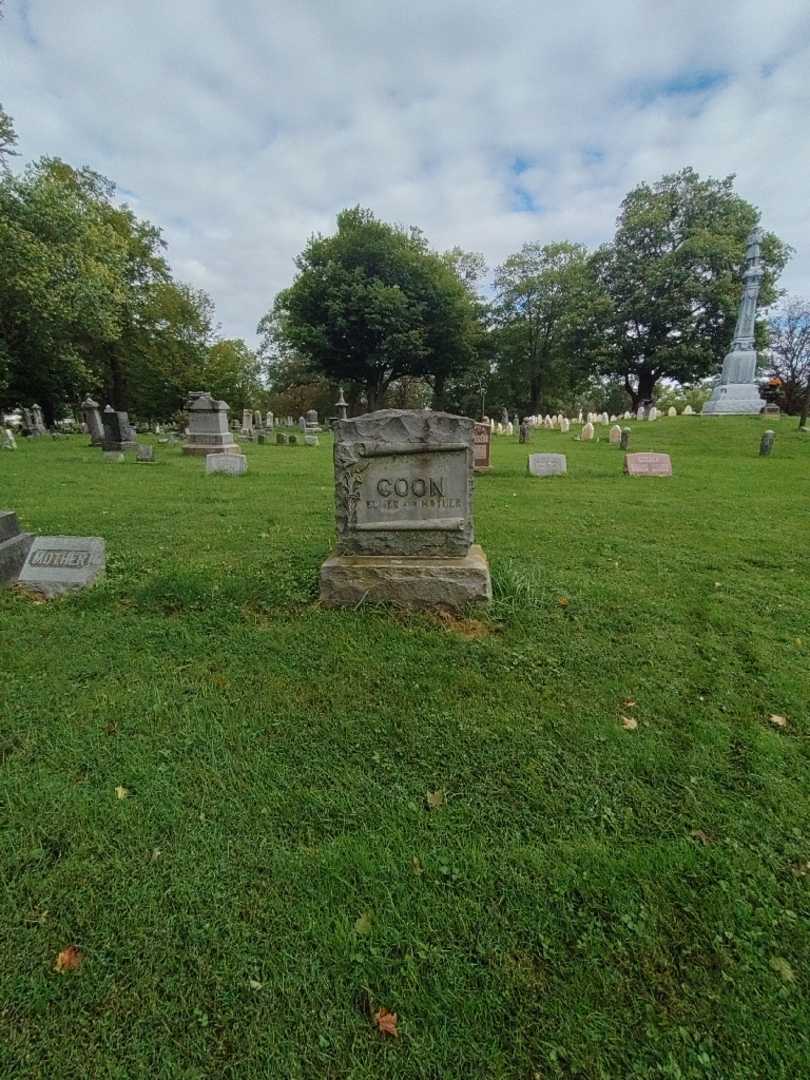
(644, 388)
(805, 408)
(372, 395)
(48, 413)
(534, 396)
(118, 387)
(439, 383)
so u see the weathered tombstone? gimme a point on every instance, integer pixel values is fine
(292, 439)
(14, 545)
(523, 431)
(117, 431)
(504, 416)
(258, 423)
(403, 493)
(270, 421)
(9, 442)
(113, 457)
(230, 464)
(57, 564)
(247, 422)
(208, 426)
(92, 417)
(282, 438)
(311, 425)
(625, 439)
(311, 440)
(302, 423)
(672, 411)
(766, 443)
(289, 421)
(38, 421)
(771, 409)
(641, 414)
(615, 435)
(565, 425)
(144, 453)
(510, 430)
(27, 423)
(587, 432)
(647, 465)
(688, 410)
(652, 413)
(482, 447)
(547, 465)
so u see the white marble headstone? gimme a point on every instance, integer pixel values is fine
(230, 464)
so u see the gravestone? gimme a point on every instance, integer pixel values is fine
(14, 545)
(587, 432)
(766, 443)
(615, 435)
(653, 413)
(771, 409)
(113, 457)
(269, 422)
(144, 453)
(647, 465)
(403, 494)
(57, 564)
(282, 438)
(302, 423)
(292, 440)
(523, 431)
(247, 422)
(342, 406)
(118, 434)
(565, 425)
(92, 417)
(311, 425)
(38, 421)
(311, 440)
(688, 410)
(672, 411)
(482, 447)
(208, 431)
(230, 464)
(547, 465)
(261, 438)
(9, 442)
(258, 423)
(624, 442)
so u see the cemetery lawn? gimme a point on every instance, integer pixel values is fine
(216, 790)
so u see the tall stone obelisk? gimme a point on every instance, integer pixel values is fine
(737, 390)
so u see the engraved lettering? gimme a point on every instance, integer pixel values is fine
(436, 487)
(384, 487)
(401, 487)
(419, 487)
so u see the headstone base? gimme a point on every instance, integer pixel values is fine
(734, 398)
(204, 449)
(407, 582)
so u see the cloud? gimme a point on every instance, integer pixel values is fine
(243, 128)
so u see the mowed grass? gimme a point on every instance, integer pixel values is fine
(589, 901)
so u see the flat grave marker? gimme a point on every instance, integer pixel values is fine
(648, 464)
(58, 564)
(547, 465)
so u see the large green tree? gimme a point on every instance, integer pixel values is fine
(789, 363)
(371, 304)
(548, 312)
(233, 373)
(673, 276)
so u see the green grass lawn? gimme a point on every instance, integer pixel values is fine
(590, 901)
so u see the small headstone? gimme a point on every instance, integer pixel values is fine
(688, 410)
(510, 430)
(270, 420)
(311, 440)
(524, 431)
(57, 564)
(247, 422)
(547, 464)
(653, 413)
(766, 443)
(144, 453)
(282, 438)
(9, 442)
(92, 418)
(118, 433)
(771, 409)
(114, 457)
(565, 425)
(302, 423)
(482, 447)
(624, 442)
(615, 435)
(293, 440)
(647, 465)
(14, 545)
(261, 438)
(672, 411)
(230, 464)
(587, 432)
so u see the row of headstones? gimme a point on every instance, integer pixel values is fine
(253, 423)
(563, 423)
(634, 464)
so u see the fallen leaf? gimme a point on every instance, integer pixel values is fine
(700, 836)
(435, 799)
(629, 723)
(800, 869)
(777, 721)
(780, 966)
(121, 792)
(386, 1022)
(363, 924)
(416, 865)
(69, 959)
(254, 984)
(563, 601)
(629, 703)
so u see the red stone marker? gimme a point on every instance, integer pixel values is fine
(647, 465)
(482, 443)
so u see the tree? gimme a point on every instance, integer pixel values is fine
(8, 138)
(548, 310)
(233, 373)
(371, 304)
(789, 333)
(673, 277)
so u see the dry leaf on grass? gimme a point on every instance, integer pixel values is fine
(700, 836)
(363, 924)
(386, 1022)
(629, 723)
(254, 984)
(629, 703)
(777, 721)
(563, 601)
(121, 792)
(69, 959)
(416, 865)
(436, 799)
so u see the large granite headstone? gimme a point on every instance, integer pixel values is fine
(482, 447)
(57, 564)
(547, 465)
(14, 545)
(648, 465)
(118, 433)
(92, 417)
(403, 493)
(208, 431)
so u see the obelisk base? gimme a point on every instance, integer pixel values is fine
(734, 398)
(406, 581)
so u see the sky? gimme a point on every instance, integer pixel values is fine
(243, 126)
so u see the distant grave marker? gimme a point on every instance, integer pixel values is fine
(482, 447)
(230, 464)
(547, 465)
(648, 465)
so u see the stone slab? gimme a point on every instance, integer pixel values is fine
(407, 582)
(482, 447)
(230, 464)
(57, 564)
(648, 464)
(547, 465)
(114, 457)
(14, 546)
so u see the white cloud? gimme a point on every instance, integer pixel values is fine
(241, 128)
